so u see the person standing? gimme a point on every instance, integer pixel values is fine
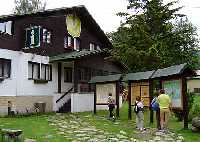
(155, 107)
(139, 110)
(165, 105)
(111, 105)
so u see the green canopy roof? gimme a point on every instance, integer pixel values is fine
(172, 70)
(104, 79)
(75, 55)
(169, 71)
(138, 76)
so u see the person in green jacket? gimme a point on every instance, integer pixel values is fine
(165, 105)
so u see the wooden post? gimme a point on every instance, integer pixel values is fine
(185, 102)
(59, 76)
(151, 98)
(75, 77)
(129, 100)
(95, 100)
(117, 98)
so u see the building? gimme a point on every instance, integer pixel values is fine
(47, 55)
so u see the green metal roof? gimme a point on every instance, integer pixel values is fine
(172, 70)
(108, 78)
(74, 55)
(138, 76)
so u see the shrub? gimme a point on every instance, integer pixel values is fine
(195, 110)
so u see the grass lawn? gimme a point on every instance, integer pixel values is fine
(37, 127)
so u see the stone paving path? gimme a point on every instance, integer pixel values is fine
(76, 129)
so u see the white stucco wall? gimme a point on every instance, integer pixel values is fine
(85, 102)
(18, 83)
(191, 84)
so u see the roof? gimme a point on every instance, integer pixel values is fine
(194, 78)
(169, 71)
(104, 79)
(138, 76)
(79, 10)
(75, 55)
(172, 70)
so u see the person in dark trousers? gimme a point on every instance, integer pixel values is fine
(157, 111)
(9, 108)
(111, 105)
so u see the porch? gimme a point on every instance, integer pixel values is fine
(74, 70)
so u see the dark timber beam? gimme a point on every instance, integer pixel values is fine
(95, 99)
(150, 99)
(185, 102)
(59, 76)
(129, 100)
(75, 77)
(117, 97)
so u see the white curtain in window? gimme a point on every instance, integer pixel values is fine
(6, 69)
(1, 70)
(3, 27)
(9, 27)
(47, 72)
(43, 72)
(35, 71)
(29, 70)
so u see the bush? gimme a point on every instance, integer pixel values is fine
(194, 112)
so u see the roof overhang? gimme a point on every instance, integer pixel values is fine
(75, 55)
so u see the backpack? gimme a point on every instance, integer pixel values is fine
(136, 108)
(154, 105)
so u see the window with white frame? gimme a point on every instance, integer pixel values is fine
(196, 90)
(72, 43)
(5, 68)
(94, 46)
(39, 71)
(46, 36)
(32, 37)
(46, 73)
(6, 27)
(33, 70)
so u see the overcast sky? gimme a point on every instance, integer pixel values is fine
(104, 11)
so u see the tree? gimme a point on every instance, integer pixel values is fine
(153, 36)
(28, 6)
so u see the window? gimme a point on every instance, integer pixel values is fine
(5, 67)
(72, 43)
(33, 70)
(6, 27)
(196, 90)
(46, 73)
(46, 36)
(32, 37)
(67, 74)
(94, 46)
(39, 72)
(76, 44)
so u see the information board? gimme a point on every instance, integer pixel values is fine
(173, 89)
(102, 91)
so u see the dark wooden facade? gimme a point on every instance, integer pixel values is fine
(55, 22)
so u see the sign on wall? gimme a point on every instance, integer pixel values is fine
(173, 89)
(102, 91)
(140, 89)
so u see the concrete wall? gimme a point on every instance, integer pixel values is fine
(85, 102)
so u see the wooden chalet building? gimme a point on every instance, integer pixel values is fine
(48, 55)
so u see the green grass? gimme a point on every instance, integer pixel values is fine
(37, 127)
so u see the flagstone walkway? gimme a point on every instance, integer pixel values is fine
(77, 129)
